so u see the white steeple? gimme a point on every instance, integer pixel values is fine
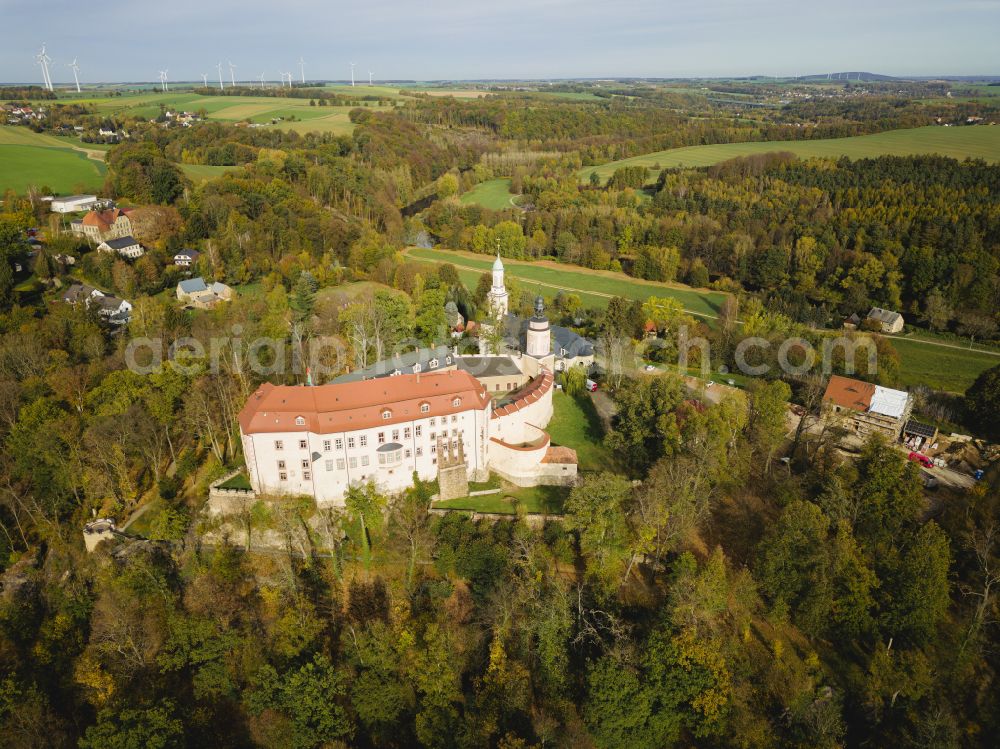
(498, 294)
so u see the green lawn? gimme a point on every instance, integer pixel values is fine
(534, 499)
(575, 424)
(239, 481)
(947, 369)
(62, 170)
(594, 287)
(203, 172)
(981, 142)
(494, 194)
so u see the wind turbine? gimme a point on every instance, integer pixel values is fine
(163, 80)
(369, 78)
(289, 76)
(232, 73)
(204, 79)
(302, 69)
(76, 74)
(43, 59)
(261, 81)
(221, 87)
(352, 75)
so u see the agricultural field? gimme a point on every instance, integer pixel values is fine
(979, 142)
(31, 159)
(594, 287)
(494, 194)
(258, 109)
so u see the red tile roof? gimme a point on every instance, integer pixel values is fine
(344, 407)
(849, 393)
(104, 220)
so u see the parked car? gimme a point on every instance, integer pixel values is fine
(591, 386)
(650, 368)
(921, 459)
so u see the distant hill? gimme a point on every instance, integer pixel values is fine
(854, 75)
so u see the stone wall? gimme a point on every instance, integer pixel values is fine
(229, 501)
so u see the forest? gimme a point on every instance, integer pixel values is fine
(721, 582)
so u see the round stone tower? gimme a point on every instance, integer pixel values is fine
(539, 338)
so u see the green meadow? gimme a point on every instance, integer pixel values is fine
(978, 142)
(494, 194)
(30, 159)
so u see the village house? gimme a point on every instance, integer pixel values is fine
(186, 258)
(110, 308)
(100, 226)
(866, 408)
(891, 322)
(198, 294)
(126, 247)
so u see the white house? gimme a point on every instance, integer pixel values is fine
(127, 247)
(110, 308)
(73, 203)
(891, 322)
(199, 294)
(186, 258)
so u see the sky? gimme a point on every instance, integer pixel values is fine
(116, 40)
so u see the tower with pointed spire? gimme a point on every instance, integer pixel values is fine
(498, 299)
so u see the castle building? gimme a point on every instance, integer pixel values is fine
(453, 418)
(538, 342)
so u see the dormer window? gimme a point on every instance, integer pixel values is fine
(300, 421)
(447, 359)
(457, 402)
(395, 373)
(416, 368)
(433, 363)
(386, 414)
(425, 407)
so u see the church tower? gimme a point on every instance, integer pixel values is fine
(539, 336)
(497, 298)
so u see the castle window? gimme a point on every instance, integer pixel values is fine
(454, 419)
(282, 476)
(433, 363)
(329, 465)
(381, 438)
(300, 421)
(340, 443)
(395, 435)
(364, 460)
(354, 462)
(407, 453)
(418, 429)
(406, 433)
(306, 475)
(433, 422)
(425, 407)
(341, 465)
(387, 414)
(447, 359)
(420, 451)
(326, 446)
(305, 464)
(281, 465)
(457, 402)
(364, 440)
(279, 445)
(303, 444)
(350, 442)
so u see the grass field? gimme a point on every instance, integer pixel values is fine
(259, 109)
(494, 194)
(203, 172)
(575, 423)
(33, 159)
(982, 142)
(947, 369)
(594, 287)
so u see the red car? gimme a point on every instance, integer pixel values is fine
(921, 459)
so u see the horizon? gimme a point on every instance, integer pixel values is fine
(542, 40)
